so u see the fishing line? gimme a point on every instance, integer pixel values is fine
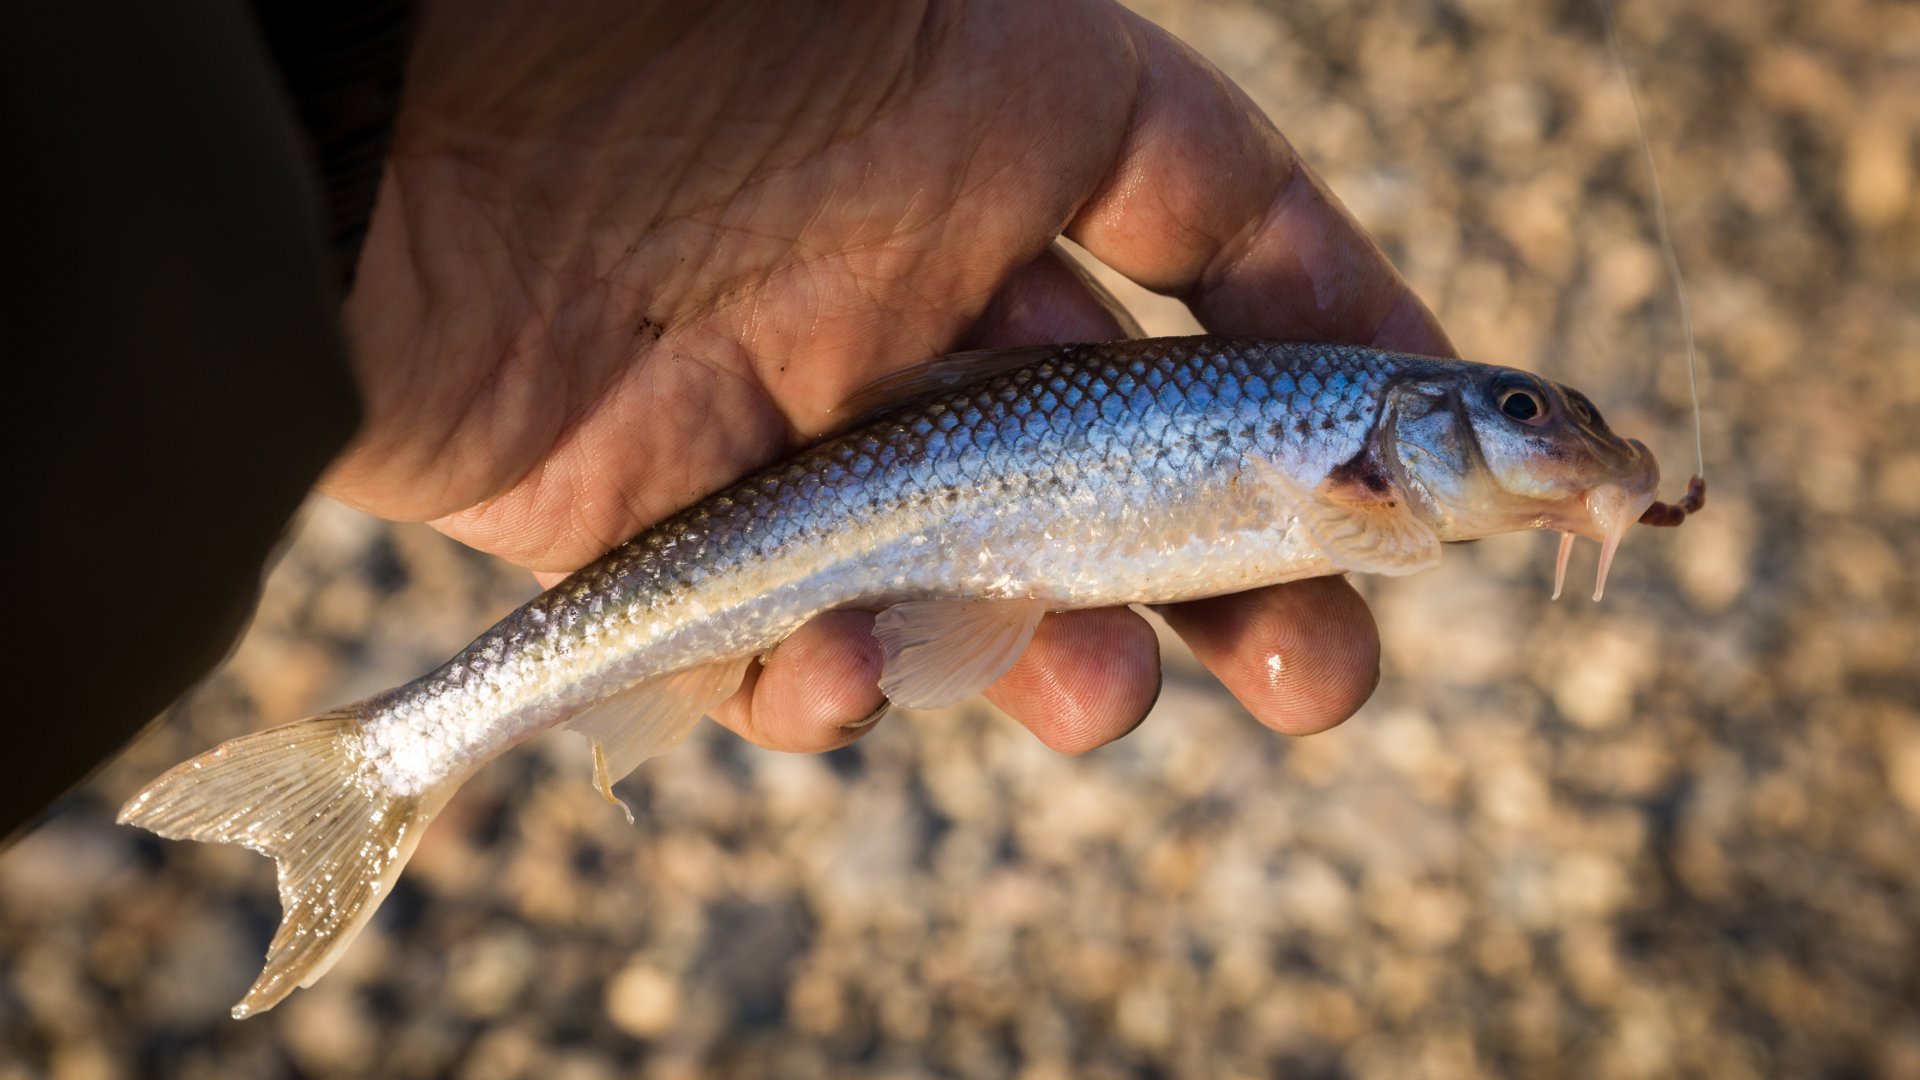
(1661, 228)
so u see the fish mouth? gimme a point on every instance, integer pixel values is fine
(1605, 512)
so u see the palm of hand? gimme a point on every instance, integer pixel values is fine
(620, 261)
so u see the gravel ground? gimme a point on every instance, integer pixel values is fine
(1673, 834)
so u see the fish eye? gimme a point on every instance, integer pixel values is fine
(1520, 401)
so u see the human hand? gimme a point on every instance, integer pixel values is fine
(624, 255)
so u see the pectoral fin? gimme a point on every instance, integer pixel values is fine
(650, 718)
(1364, 526)
(934, 653)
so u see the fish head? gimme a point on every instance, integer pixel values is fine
(1485, 450)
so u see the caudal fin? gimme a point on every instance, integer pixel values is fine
(298, 793)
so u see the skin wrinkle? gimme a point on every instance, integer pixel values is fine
(860, 122)
(1069, 207)
(761, 99)
(1110, 212)
(1231, 256)
(1408, 326)
(823, 261)
(903, 227)
(486, 388)
(1135, 33)
(909, 68)
(724, 198)
(772, 366)
(930, 31)
(1342, 278)
(542, 297)
(520, 86)
(586, 403)
(737, 713)
(704, 418)
(669, 210)
(530, 497)
(1393, 308)
(427, 287)
(972, 302)
(375, 407)
(488, 393)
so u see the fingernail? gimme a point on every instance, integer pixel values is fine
(871, 718)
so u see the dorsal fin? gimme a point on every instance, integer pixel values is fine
(889, 392)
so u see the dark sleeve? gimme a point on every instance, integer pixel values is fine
(341, 62)
(169, 327)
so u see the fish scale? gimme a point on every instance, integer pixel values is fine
(1050, 479)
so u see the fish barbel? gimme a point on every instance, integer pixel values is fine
(997, 487)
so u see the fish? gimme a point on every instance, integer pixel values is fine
(973, 495)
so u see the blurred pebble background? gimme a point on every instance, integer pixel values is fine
(1673, 834)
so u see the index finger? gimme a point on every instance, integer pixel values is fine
(1207, 201)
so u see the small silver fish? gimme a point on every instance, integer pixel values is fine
(996, 488)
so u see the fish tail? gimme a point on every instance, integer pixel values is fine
(300, 794)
